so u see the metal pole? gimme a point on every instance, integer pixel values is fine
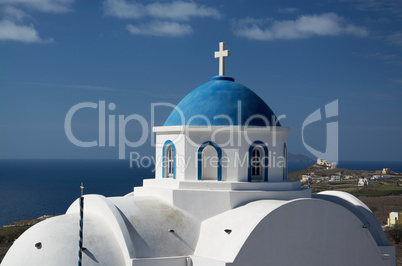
(81, 225)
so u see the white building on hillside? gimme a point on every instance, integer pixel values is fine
(325, 163)
(229, 204)
(395, 218)
(363, 182)
(335, 178)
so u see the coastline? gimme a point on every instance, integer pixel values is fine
(380, 203)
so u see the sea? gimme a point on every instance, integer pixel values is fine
(33, 188)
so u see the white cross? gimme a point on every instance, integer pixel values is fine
(221, 54)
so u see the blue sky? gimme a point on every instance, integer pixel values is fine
(297, 56)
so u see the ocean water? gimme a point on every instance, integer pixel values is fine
(371, 166)
(32, 188)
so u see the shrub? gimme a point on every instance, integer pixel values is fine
(395, 233)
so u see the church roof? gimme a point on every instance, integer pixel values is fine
(222, 102)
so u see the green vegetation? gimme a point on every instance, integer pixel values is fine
(395, 233)
(379, 190)
(9, 234)
(336, 183)
(376, 188)
(7, 237)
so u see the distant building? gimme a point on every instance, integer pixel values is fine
(379, 177)
(335, 178)
(386, 171)
(347, 177)
(333, 165)
(363, 182)
(305, 178)
(323, 162)
(395, 218)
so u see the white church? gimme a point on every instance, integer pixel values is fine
(220, 197)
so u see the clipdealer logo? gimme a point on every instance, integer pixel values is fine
(101, 142)
(143, 128)
(331, 152)
(119, 123)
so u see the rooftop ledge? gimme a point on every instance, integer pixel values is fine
(178, 129)
(287, 185)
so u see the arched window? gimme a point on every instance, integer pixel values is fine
(258, 161)
(169, 156)
(285, 163)
(257, 170)
(168, 160)
(209, 161)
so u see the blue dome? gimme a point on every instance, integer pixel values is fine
(217, 101)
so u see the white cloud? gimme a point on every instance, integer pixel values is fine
(395, 39)
(9, 31)
(122, 9)
(160, 28)
(246, 22)
(68, 86)
(397, 81)
(382, 6)
(12, 13)
(48, 6)
(170, 11)
(288, 10)
(385, 58)
(176, 10)
(88, 87)
(328, 24)
(181, 10)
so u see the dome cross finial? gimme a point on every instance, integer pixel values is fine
(221, 54)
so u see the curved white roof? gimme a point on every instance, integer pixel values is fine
(58, 238)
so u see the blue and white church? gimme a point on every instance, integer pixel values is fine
(220, 197)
